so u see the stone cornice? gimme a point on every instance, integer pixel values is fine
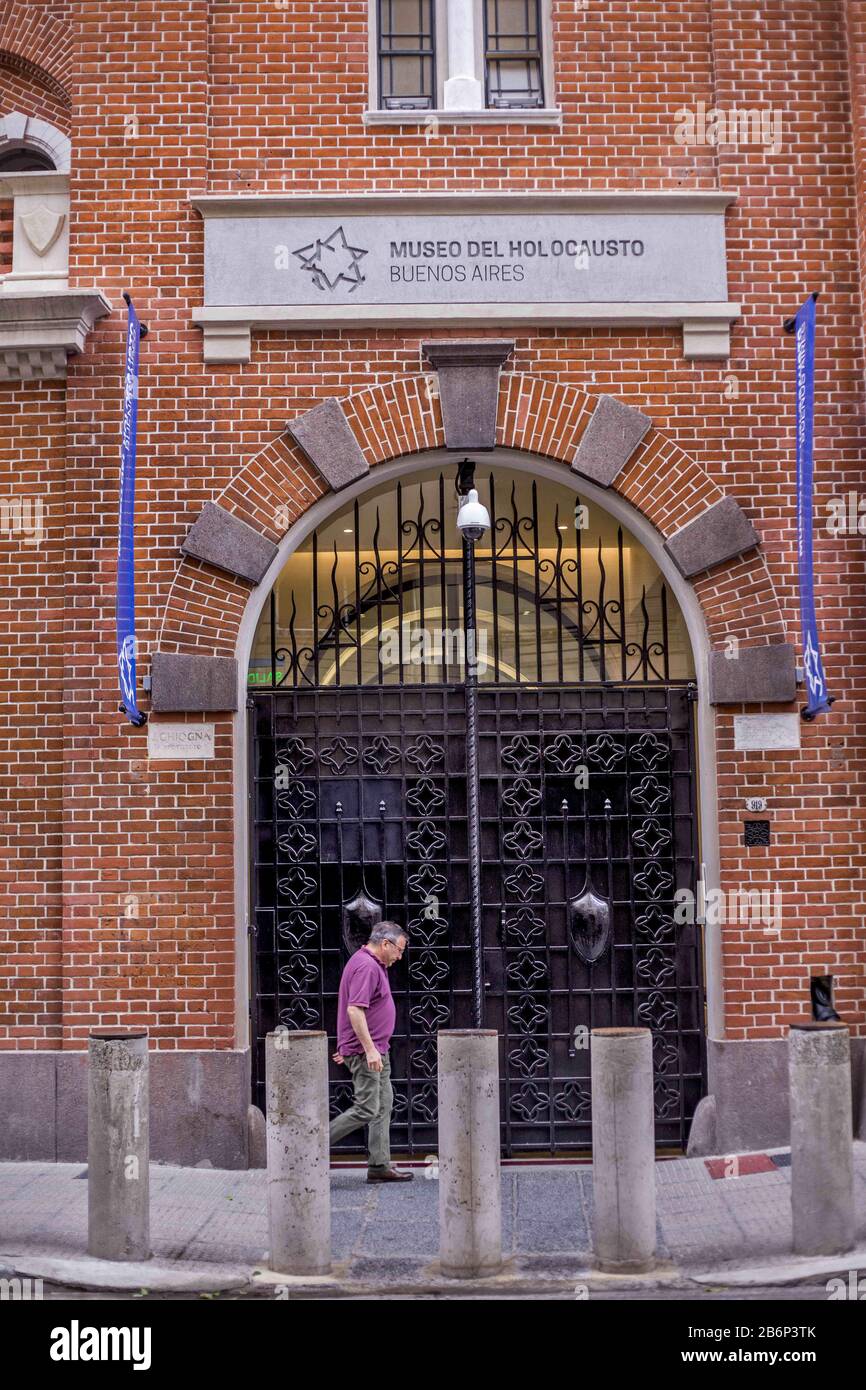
(38, 330)
(682, 201)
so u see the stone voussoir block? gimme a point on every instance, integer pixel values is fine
(609, 440)
(754, 675)
(718, 534)
(181, 682)
(221, 539)
(326, 438)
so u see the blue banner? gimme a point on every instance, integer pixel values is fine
(126, 542)
(803, 325)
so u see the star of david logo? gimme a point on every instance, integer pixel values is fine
(811, 667)
(331, 260)
(126, 664)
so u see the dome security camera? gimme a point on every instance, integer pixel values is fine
(473, 518)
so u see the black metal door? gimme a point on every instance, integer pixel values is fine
(587, 828)
(360, 810)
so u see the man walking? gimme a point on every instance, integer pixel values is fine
(365, 1022)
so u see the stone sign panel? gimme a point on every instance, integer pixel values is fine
(423, 260)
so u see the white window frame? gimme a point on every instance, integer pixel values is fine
(549, 114)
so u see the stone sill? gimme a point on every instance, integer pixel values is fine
(29, 181)
(525, 115)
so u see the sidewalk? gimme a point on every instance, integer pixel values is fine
(209, 1227)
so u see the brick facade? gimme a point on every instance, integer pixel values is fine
(170, 100)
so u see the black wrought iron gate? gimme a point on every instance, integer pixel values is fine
(587, 810)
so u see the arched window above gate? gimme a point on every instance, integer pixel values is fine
(565, 594)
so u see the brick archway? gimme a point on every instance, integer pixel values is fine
(279, 483)
(36, 41)
(236, 540)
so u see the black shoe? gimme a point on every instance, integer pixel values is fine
(388, 1175)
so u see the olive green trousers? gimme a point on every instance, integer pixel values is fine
(371, 1107)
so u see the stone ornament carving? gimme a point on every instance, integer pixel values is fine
(42, 226)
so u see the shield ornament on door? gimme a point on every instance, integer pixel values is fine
(589, 922)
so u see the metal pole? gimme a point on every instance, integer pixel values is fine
(472, 809)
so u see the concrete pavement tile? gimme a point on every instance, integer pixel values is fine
(567, 1237)
(400, 1238)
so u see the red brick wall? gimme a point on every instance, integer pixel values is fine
(793, 231)
(32, 462)
(248, 96)
(31, 713)
(139, 130)
(36, 34)
(26, 88)
(855, 32)
(6, 221)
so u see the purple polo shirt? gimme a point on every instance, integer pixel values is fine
(365, 983)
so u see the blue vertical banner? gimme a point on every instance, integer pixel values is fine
(135, 331)
(803, 327)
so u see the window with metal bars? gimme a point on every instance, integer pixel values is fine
(407, 55)
(512, 53)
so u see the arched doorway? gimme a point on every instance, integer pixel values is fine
(585, 745)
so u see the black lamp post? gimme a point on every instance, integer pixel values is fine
(472, 522)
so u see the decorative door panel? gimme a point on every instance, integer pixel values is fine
(359, 813)
(587, 803)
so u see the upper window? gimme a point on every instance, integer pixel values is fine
(23, 161)
(407, 58)
(512, 53)
(460, 55)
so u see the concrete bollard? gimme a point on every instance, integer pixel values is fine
(822, 1148)
(299, 1190)
(623, 1150)
(470, 1199)
(118, 1145)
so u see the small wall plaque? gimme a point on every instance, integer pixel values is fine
(766, 732)
(172, 741)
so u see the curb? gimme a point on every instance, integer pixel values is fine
(109, 1276)
(89, 1274)
(93, 1275)
(788, 1271)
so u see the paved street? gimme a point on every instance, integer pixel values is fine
(390, 1233)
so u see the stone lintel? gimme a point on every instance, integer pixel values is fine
(326, 438)
(221, 539)
(718, 534)
(609, 440)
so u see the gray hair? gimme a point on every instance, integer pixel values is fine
(387, 931)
